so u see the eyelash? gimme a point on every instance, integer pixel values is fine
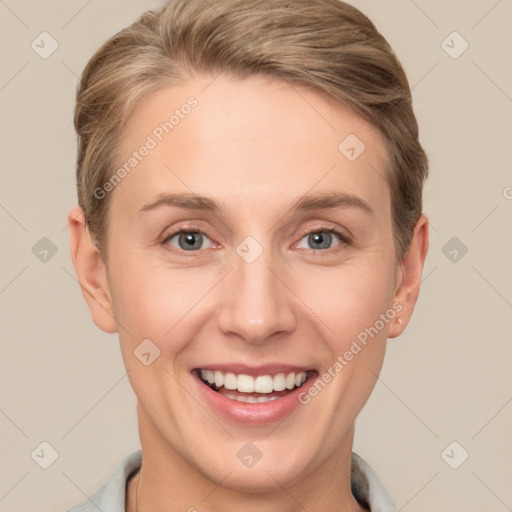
(344, 239)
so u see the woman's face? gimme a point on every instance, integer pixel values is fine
(250, 292)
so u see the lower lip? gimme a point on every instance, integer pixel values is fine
(259, 413)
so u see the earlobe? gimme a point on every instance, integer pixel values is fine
(410, 271)
(91, 272)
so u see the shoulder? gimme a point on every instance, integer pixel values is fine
(110, 497)
(367, 488)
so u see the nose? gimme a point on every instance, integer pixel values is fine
(257, 305)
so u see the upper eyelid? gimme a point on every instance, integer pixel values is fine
(197, 229)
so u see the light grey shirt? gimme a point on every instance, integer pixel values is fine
(366, 487)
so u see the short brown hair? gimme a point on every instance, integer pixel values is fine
(325, 44)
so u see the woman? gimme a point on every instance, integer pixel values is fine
(250, 223)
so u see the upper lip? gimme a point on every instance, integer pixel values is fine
(254, 371)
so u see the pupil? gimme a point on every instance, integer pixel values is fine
(322, 239)
(192, 241)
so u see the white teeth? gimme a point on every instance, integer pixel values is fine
(219, 379)
(245, 384)
(248, 384)
(208, 375)
(250, 399)
(264, 384)
(279, 382)
(230, 381)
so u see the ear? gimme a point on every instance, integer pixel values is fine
(409, 275)
(91, 272)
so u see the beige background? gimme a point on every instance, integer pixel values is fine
(447, 378)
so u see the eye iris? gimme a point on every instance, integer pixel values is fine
(191, 241)
(324, 239)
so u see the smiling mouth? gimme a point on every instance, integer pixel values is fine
(249, 389)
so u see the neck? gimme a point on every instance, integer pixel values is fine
(167, 483)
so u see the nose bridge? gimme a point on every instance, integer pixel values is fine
(256, 304)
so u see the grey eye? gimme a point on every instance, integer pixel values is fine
(189, 240)
(319, 240)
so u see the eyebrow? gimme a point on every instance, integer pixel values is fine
(315, 201)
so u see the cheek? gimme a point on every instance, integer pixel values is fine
(150, 300)
(349, 298)
(168, 306)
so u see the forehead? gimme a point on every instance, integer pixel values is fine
(248, 138)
